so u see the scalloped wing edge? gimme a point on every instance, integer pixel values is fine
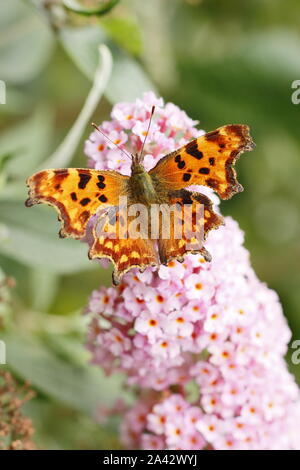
(65, 231)
(247, 144)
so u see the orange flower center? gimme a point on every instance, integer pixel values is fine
(225, 354)
(180, 320)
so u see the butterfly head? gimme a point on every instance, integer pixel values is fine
(136, 159)
(137, 165)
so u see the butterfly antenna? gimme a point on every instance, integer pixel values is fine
(111, 141)
(146, 135)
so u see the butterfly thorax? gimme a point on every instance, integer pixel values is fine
(142, 186)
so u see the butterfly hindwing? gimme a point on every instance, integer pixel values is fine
(76, 194)
(207, 160)
(112, 241)
(194, 213)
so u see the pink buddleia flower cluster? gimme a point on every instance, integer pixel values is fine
(170, 128)
(213, 326)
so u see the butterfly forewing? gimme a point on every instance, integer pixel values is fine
(77, 194)
(207, 160)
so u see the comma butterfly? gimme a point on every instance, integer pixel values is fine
(79, 194)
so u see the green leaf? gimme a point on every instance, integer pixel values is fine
(100, 8)
(4, 294)
(28, 143)
(18, 102)
(4, 158)
(3, 162)
(25, 146)
(82, 388)
(64, 153)
(128, 80)
(125, 32)
(25, 43)
(76, 430)
(44, 285)
(82, 46)
(33, 240)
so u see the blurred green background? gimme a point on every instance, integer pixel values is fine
(222, 62)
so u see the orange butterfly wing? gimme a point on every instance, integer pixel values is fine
(112, 241)
(206, 161)
(76, 194)
(195, 227)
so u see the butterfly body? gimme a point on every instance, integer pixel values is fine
(144, 188)
(80, 194)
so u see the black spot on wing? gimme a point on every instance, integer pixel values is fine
(85, 201)
(192, 149)
(204, 171)
(102, 198)
(186, 177)
(101, 183)
(84, 178)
